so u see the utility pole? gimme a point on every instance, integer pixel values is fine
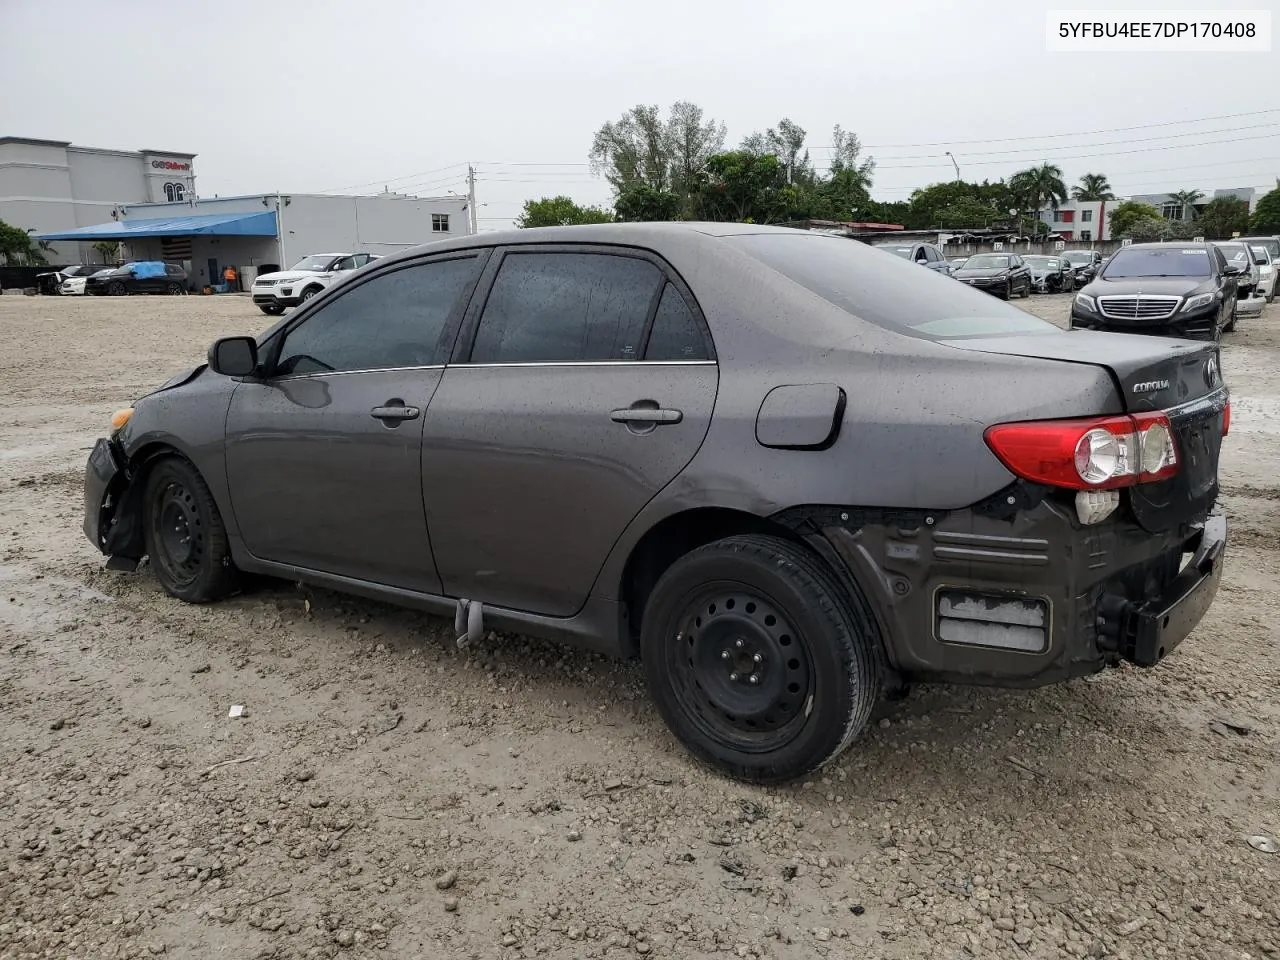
(471, 196)
(954, 164)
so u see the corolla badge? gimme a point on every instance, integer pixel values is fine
(1150, 386)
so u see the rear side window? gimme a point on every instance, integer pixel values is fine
(566, 307)
(676, 333)
(895, 296)
(394, 320)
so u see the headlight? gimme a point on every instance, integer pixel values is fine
(1086, 301)
(1198, 301)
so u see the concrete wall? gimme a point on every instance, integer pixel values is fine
(379, 225)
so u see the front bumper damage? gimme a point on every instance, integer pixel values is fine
(1016, 592)
(112, 518)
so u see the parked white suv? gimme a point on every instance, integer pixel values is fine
(272, 292)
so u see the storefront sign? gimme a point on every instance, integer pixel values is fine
(170, 165)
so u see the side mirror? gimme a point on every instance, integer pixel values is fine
(234, 356)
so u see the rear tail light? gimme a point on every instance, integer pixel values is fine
(1098, 453)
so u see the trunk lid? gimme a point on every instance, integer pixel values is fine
(1181, 377)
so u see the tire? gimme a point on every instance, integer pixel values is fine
(116, 289)
(1008, 290)
(185, 537)
(271, 311)
(762, 604)
(308, 293)
(1230, 325)
(173, 289)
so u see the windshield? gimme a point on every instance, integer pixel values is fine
(986, 261)
(840, 272)
(1158, 262)
(1047, 263)
(1271, 243)
(316, 264)
(1233, 251)
(1082, 257)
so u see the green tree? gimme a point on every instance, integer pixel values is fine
(641, 202)
(1187, 200)
(17, 246)
(1147, 229)
(110, 250)
(665, 155)
(1038, 187)
(559, 212)
(1266, 215)
(786, 142)
(959, 204)
(1093, 186)
(1127, 214)
(1223, 216)
(744, 187)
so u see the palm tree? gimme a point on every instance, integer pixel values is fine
(1038, 186)
(1186, 200)
(1093, 186)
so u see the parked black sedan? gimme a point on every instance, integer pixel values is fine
(1004, 274)
(1180, 288)
(1086, 263)
(141, 276)
(1051, 274)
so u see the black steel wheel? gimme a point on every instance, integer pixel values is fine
(758, 661)
(185, 536)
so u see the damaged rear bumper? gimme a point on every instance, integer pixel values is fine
(1021, 594)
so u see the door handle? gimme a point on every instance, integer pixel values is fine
(394, 414)
(646, 415)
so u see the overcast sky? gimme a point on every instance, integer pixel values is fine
(324, 95)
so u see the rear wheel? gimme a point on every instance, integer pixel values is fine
(757, 660)
(173, 289)
(185, 536)
(116, 289)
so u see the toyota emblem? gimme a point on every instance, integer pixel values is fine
(1211, 372)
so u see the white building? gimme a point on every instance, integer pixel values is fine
(1081, 220)
(51, 185)
(74, 197)
(264, 232)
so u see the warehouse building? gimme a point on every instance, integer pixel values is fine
(74, 198)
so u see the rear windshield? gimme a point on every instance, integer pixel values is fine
(1161, 262)
(900, 297)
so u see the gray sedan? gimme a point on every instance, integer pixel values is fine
(789, 473)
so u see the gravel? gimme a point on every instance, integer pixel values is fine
(384, 778)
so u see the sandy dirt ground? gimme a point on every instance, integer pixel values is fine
(388, 795)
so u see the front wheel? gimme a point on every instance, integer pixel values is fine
(1230, 325)
(174, 289)
(185, 537)
(308, 294)
(757, 659)
(271, 310)
(1007, 293)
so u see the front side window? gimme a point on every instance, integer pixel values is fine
(565, 308)
(394, 320)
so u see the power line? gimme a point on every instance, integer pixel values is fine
(1058, 136)
(388, 180)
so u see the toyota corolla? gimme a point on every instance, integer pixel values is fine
(790, 474)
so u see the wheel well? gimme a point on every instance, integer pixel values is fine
(133, 543)
(668, 541)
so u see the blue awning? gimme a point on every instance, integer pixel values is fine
(201, 225)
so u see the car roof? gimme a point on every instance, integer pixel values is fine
(621, 234)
